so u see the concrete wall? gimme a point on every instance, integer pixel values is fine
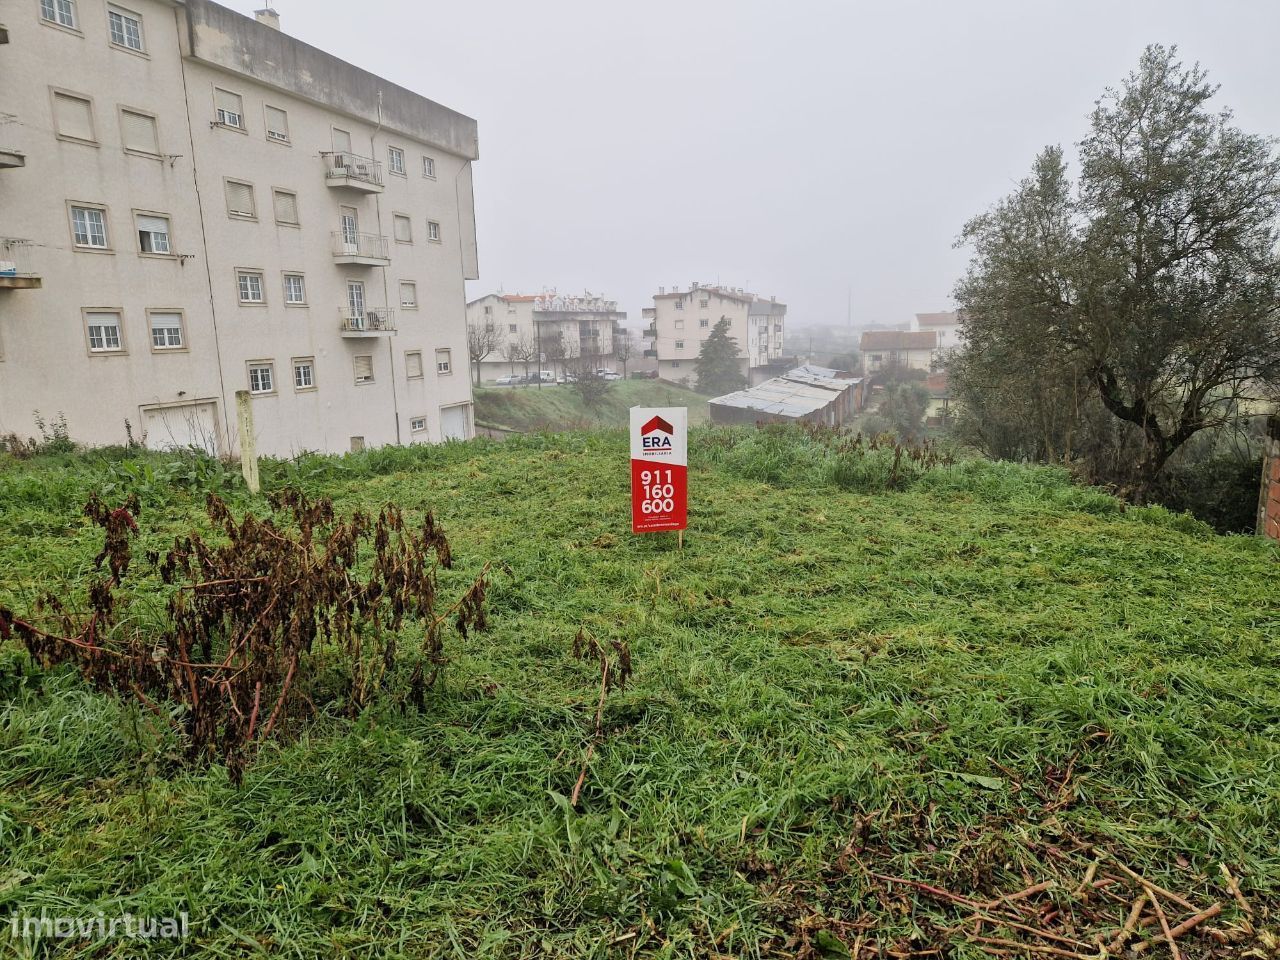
(45, 364)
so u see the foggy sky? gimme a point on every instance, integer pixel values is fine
(798, 149)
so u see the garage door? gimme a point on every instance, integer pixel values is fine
(453, 422)
(182, 427)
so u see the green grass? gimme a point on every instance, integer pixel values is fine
(551, 407)
(823, 668)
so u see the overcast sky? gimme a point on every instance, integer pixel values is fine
(799, 149)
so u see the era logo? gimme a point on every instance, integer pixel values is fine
(656, 442)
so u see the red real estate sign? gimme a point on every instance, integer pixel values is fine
(659, 469)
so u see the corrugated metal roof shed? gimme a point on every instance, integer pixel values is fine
(780, 397)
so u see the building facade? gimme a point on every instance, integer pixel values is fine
(679, 321)
(945, 323)
(545, 331)
(201, 205)
(908, 349)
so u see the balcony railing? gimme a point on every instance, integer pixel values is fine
(369, 322)
(17, 269)
(359, 247)
(344, 169)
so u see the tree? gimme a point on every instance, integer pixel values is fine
(523, 349)
(587, 383)
(1148, 287)
(555, 349)
(717, 366)
(903, 409)
(481, 341)
(624, 347)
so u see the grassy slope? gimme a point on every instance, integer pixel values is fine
(913, 670)
(551, 407)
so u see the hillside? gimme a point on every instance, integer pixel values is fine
(984, 681)
(558, 407)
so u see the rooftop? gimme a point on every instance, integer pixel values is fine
(944, 318)
(899, 340)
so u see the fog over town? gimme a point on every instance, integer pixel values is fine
(808, 151)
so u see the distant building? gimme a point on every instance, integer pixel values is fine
(193, 203)
(541, 331)
(946, 324)
(939, 411)
(908, 349)
(807, 393)
(679, 321)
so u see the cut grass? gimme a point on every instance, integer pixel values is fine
(911, 671)
(558, 407)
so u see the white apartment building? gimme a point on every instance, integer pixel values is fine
(548, 326)
(679, 321)
(193, 203)
(945, 323)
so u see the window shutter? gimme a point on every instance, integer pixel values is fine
(74, 116)
(364, 368)
(402, 228)
(341, 141)
(140, 132)
(153, 224)
(240, 198)
(286, 207)
(277, 124)
(413, 365)
(227, 100)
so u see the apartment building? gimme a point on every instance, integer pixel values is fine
(553, 327)
(680, 320)
(193, 203)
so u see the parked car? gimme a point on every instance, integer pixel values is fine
(509, 381)
(610, 376)
(545, 376)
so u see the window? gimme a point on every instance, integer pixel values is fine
(240, 200)
(304, 373)
(511, 328)
(138, 131)
(153, 233)
(286, 207)
(61, 12)
(675, 363)
(357, 444)
(341, 141)
(402, 226)
(104, 331)
(230, 108)
(429, 167)
(73, 117)
(433, 231)
(364, 368)
(408, 294)
(444, 362)
(262, 378)
(679, 304)
(704, 323)
(417, 424)
(126, 28)
(704, 302)
(413, 364)
(295, 289)
(89, 227)
(166, 331)
(679, 344)
(277, 124)
(395, 160)
(680, 324)
(488, 311)
(250, 283)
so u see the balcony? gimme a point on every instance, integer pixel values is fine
(16, 269)
(370, 322)
(368, 249)
(352, 172)
(9, 156)
(650, 354)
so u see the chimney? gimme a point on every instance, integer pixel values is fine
(268, 16)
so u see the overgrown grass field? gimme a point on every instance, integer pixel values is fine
(984, 679)
(529, 409)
